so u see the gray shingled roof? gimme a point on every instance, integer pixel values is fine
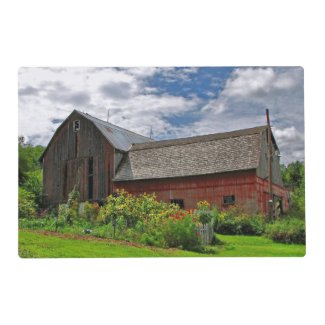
(209, 154)
(120, 138)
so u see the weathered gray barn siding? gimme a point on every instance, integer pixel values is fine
(262, 169)
(66, 161)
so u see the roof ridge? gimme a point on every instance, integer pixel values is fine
(111, 124)
(195, 139)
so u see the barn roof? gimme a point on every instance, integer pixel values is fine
(120, 138)
(201, 155)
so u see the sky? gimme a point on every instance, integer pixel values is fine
(173, 102)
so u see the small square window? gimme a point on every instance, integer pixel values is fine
(76, 126)
(179, 202)
(229, 199)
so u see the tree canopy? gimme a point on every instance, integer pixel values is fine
(28, 159)
(293, 177)
(29, 177)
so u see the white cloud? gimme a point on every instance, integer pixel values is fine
(258, 82)
(246, 95)
(286, 134)
(249, 82)
(290, 142)
(47, 95)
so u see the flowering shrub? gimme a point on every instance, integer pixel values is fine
(150, 222)
(117, 206)
(203, 205)
(124, 216)
(144, 207)
(181, 232)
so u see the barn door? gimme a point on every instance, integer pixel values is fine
(76, 177)
(278, 205)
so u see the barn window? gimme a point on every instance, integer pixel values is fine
(229, 199)
(76, 126)
(179, 202)
(90, 177)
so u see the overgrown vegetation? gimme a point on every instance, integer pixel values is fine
(234, 221)
(287, 230)
(142, 219)
(133, 218)
(29, 179)
(293, 177)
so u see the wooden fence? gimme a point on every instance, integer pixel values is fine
(206, 233)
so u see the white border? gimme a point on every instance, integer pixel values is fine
(163, 33)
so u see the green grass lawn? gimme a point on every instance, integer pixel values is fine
(37, 244)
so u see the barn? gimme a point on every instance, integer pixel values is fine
(224, 168)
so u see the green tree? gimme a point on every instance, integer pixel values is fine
(293, 177)
(29, 178)
(293, 174)
(26, 204)
(28, 156)
(34, 184)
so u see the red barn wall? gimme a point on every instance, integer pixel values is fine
(250, 190)
(192, 189)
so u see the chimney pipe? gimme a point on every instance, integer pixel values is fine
(269, 143)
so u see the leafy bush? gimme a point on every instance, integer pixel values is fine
(103, 231)
(37, 223)
(34, 184)
(31, 223)
(134, 208)
(182, 233)
(204, 216)
(250, 225)
(26, 204)
(68, 212)
(154, 238)
(288, 230)
(119, 205)
(235, 222)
